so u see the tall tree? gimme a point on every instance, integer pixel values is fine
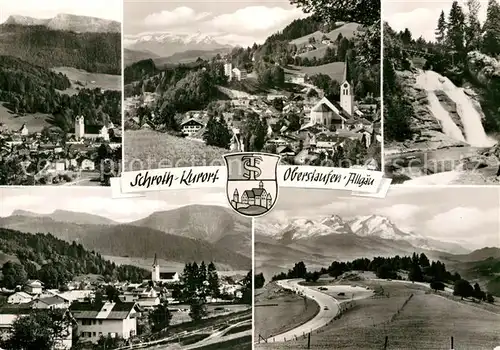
(456, 28)
(213, 280)
(160, 317)
(491, 29)
(473, 26)
(441, 29)
(13, 275)
(366, 12)
(40, 330)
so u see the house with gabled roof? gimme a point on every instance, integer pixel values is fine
(99, 319)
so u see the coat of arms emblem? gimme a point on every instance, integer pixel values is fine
(252, 186)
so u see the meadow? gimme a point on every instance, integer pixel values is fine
(148, 149)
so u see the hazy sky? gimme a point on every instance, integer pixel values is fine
(235, 22)
(107, 9)
(470, 216)
(98, 201)
(421, 17)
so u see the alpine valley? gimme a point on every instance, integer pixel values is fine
(189, 233)
(334, 238)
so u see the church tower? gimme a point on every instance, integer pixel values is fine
(155, 271)
(79, 127)
(346, 92)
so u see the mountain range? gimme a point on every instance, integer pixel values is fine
(68, 22)
(190, 233)
(334, 238)
(168, 44)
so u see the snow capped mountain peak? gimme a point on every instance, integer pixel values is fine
(376, 225)
(370, 226)
(166, 44)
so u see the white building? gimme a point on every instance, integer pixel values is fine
(144, 297)
(228, 70)
(90, 131)
(239, 74)
(19, 298)
(164, 277)
(191, 126)
(33, 287)
(52, 302)
(234, 72)
(88, 164)
(96, 320)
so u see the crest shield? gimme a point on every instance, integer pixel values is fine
(252, 186)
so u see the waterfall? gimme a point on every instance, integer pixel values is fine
(449, 127)
(471, 119)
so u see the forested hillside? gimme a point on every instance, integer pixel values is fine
(26, 88)
(54, 261)
(39, 45)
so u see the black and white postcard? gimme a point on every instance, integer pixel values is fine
(60, 92)
(291, 78)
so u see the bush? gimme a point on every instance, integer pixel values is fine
(436, 285)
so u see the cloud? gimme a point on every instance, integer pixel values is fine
(420, 22)
(255, 19)
(460, 222)
(180, 16)
(400, 212)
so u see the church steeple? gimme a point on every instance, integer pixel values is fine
(155, 261)
(347, 73)
(346, 91)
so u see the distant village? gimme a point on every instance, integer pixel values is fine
(121, 318)
(325, 126)
(49, 157)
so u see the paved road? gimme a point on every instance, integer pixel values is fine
(329, 307)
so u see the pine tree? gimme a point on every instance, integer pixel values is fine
(441, 29)
(456, 28)
(491, 38)
(213, 280)
(473, 26)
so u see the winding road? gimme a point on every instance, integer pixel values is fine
(329, 308)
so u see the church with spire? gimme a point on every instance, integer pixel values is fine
(162, 277)
(336, 115)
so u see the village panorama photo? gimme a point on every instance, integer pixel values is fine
(204, 78)
(60, 92)
(85, 271)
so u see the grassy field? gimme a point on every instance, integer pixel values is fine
(148, 149)
(35, 122)
(426, 322)
(290, 312)
(347, 30)
(334, 70)
(179, 317)
(90, 80)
